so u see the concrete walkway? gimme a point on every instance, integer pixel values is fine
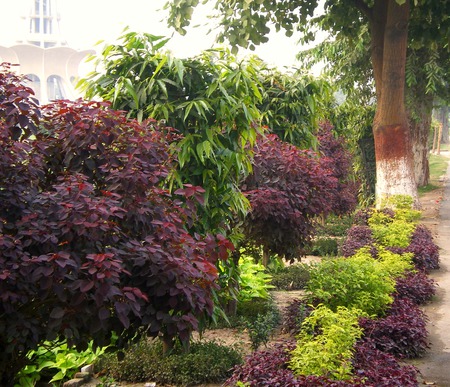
(435, 366)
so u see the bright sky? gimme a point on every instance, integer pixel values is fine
(85, 22)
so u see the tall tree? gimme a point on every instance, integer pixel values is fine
(245, 24)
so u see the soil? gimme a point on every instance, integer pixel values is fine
(434, 367)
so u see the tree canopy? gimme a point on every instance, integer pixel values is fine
(246, 23)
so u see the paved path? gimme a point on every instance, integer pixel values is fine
(435, 366)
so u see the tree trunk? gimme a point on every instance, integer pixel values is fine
(420, 124)
(438, 147)
(444, 118)
(393, 148)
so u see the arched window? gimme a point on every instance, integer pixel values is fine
(55, 88)
(34, 82)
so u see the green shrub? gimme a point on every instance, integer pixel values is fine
(249, 310)
(335, 226)
(254, 281)
(389, 231)
(325, 343)
(294, 277)
(355, 282)
(324, 247)
(207, 362)
(395, 265)
(262, 327)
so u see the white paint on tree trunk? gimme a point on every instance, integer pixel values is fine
(395, 177)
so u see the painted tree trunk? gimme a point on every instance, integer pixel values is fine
(420, 128)
(393, 147)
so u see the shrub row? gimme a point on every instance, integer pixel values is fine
(384, 277)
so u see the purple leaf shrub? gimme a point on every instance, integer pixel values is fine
(401, 333)
(90, 242)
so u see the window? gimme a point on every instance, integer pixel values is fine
(55, 88)
(35, 83)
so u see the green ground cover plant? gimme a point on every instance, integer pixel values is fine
(207, 362)
(354, 282)
(291, 277)
(55, 362)
(326, 342)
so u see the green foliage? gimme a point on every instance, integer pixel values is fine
(392, 264)
(324, 247)
(325, 343)
(211, 99)
(293, 103)
(207, 362)
(55, 362)
(261, 328)
(292, 277)
(254, 282)
(393, 231)
(355, 282)
(335, 226)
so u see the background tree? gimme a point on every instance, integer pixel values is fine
(290, 188)
(245, 24)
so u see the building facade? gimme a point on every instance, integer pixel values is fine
(41, 53)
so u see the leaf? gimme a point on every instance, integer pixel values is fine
(57, 313)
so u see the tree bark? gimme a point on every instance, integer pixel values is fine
(420, 127)
(393, 147)
(444, 118)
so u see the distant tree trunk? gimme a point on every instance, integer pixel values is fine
(393, 147)
(420, 124)
(444, 119)
(439, 136)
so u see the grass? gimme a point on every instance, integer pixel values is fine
(438, 168)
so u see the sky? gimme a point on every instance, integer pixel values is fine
(86, 22)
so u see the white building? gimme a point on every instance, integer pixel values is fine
(42, 54)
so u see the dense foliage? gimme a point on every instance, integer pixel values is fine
(355, 282)
(402, 332)
(339, 162)
(416, 286)
(325, 343)
(372, 367)
(287, 189)
(207, 362)
(90, 241)
(211, 99)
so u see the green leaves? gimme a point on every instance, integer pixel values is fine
(211, 99)
(325, 343)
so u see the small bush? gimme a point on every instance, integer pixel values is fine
(250, 310)
(294, 315)
(294, 277)
(393, 264)
(401, 333)
(324, 247)
(426, 252)
(358, 237)
(380, 369)
(325, 343)
(205, 363)
(336, 226)
(391, 231)
(355, 282)
(416, 286)
(262, 327)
